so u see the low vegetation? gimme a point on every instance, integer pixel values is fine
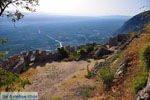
(115, 57)
(81, 53)
(10, 81)
(133, 34)
(107, 76)
(145, 56)
(140, 81)
(86, 94)
(63, 53)
(89, 75)
(56, 99)
(85, 50)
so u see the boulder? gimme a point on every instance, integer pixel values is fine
(101, 52)
(118, 40)
(144, 94)
(122, 68)
(19, 66)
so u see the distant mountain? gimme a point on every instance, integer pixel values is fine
(136, 23)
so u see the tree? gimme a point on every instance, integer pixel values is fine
(18, 4)
(15, 15)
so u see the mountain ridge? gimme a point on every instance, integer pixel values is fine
(135, 24)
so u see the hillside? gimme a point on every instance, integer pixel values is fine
(136, 23)
(120, 75)
(116, 70)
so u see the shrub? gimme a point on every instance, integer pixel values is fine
(89, 75)
(63, 53)
(74, 76)
(96, 47)
(85, 50)
(82, 53)
(86, 94)
(133, 34)
(107, 75)
(115, 57)
(89, 49)
(140, 81)
(25, 82)
(9, 80)
(89, 60)
(145, 56)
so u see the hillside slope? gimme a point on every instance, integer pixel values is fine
(136, 23)
(130, 76)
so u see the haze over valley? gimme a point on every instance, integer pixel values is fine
(48, 32)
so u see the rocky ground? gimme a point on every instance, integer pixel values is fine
(59, 80)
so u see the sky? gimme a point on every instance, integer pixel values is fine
(91, 7)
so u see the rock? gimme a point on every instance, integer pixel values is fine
(122, 68)
(148, 86)
(118, 40)
(144, 94)
(19, 66)
(101, 52)
(95, 70)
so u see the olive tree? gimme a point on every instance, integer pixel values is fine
(18, 5)
(15, 14)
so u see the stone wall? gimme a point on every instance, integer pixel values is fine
(16, 63)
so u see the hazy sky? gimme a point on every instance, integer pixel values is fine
(91, 7)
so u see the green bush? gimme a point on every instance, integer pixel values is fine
(115, 57)
(63, 53)
(107, 75)
(85, 50)
(145, 56)
(96, 47)
(82, 53)
(89, 49)
(140, 81)
(9, 80)
(89, 60)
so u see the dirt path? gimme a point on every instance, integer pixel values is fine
(47, 79)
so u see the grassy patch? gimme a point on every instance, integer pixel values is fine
(56, 99)
(140, 81)
(145, 56)
(86, 94)
(115, 57)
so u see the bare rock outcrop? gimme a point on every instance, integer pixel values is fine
(101, 52)
(144, 94)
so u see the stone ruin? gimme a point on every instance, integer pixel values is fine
(119, 40)
(16, 63)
